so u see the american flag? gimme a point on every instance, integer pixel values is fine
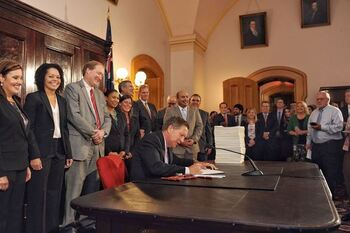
(109, 58)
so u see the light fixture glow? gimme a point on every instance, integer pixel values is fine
(140, 78)
(122, 73)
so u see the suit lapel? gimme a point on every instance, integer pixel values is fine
(99, 106)
(87, 97)
(162, 143)
(46, 102)
(189, 113)
(62, 109)
(17, 115)
(177, 109)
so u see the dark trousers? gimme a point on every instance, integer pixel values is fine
(44, 196)
(269, 149)
(327, 156)
(346, 172)
(255, 152)
(11, 203)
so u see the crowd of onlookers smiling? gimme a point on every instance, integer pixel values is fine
(55, 138)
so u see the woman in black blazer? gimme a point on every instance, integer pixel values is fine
(117, 141)
(253, 135)
(16, 148)
(47, 112)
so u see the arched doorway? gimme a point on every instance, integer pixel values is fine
(271, 82)
(283, 74)
(155, 77)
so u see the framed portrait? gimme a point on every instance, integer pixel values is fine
(253, 30)
(337, 94)
(314, 13)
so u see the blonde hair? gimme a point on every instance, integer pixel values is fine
(306, 109)
(255, 115)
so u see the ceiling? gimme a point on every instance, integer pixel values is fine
(188, 17)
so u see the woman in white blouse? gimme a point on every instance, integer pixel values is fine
(47, 112)
(253, 135)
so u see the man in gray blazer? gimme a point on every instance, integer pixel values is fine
(206, 140)
(88, 124)
(189, 147)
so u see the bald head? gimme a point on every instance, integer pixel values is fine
(171, 100)
(182, 98)
(322, 99)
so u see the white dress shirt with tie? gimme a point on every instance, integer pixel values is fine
(331, 120)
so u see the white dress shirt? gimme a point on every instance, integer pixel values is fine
(183, 112)
(331, 125)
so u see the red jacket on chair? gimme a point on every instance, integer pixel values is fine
(112, 171)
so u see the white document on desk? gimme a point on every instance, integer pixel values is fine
(208, 173)
(211, 172)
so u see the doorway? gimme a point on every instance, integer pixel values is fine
(270, 83)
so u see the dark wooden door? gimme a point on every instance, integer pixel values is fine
(243, 91)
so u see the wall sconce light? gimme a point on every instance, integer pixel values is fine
(140, 78)
(122, 74)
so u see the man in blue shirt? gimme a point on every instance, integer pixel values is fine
(325, 138)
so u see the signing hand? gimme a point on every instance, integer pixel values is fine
(36, 164)
(195, 169)
(205, 165)
(4, 183)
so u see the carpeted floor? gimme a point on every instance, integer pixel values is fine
(343, 206)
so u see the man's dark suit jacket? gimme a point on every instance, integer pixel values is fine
(250, 39)
(17, 143)
(146, 122)
(118, 138)
(39, 111)
(206, 140)
(220, 120)
(271, 124)
(280, 125)
(160, 118)
(344, 110)
(148, 160)
(243, 120)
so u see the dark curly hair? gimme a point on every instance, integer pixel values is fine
(108, 92)
(41, 72)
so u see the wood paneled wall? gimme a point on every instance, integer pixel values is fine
(32, 37)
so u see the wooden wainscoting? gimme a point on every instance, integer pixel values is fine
(32, 37)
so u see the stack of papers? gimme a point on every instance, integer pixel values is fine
(208, 173)
(231, 138)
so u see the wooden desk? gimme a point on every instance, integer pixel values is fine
(300, 203)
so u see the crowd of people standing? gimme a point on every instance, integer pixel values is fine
(53, 142)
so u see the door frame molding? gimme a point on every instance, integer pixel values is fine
(144, 61)
(299, 78)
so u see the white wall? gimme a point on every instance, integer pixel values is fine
(137, 27)
(323, 53)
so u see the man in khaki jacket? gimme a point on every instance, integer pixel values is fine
(189, 148)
